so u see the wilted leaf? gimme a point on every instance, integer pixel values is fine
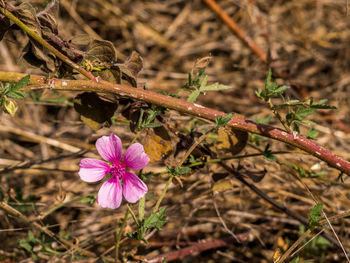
(130, 68)
(47, 17)
(157, 144)
(101, 53)
(222, 186)
(26, 13)
(94, 111)
(231, 140)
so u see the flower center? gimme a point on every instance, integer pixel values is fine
(118, 170)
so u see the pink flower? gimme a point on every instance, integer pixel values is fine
(110, 193)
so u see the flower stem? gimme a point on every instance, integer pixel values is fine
(142, 208)
(118, 235)
(163, 194)
(133, 215)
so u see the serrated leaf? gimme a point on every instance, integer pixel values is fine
(301, 112)
(204, 82)
(193, 96)
(21, 83)
(312, 134)
(281, 89)
(155, 219)
(315, 215)
(17, 95)
(223, 120)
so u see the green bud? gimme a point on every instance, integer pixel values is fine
(10, 107)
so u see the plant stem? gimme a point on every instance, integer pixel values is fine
(155, 209)
(133, 215)
(142, 208)
(118, 235)
(199, 111)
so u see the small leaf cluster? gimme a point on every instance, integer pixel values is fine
(308, 174)
(148, 120)
(222, 121)
(296, 110)
(197, 84)
(271, 89)
(178, 171)
(315, 216)
(267, 153)
(35, 245)
(10, 92)
(154, 220)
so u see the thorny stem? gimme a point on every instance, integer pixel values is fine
(182, 106)
(45, 44)
(199, 111)
(118, 235)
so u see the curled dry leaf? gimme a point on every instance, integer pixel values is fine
(157, 144)
(94, 111)
(231, 141)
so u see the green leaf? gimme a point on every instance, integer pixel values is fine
(156, 219)
(153, 125)
(315, 216)
(268, 154)
(222, 121)
(21, 83)
(178, 171)
(17, 94)
(193, 96)
(281, 89)
(312, 134)
(25, 244)
(302, 112)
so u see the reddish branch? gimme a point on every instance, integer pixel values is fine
(202, 246)
(237, 121)
(237, 30)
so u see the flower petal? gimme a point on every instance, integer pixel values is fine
(135, 157)
(110, 194)
(110, 147)
(92, 170)
(133, 188)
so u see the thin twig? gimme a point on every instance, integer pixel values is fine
(237, 30)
